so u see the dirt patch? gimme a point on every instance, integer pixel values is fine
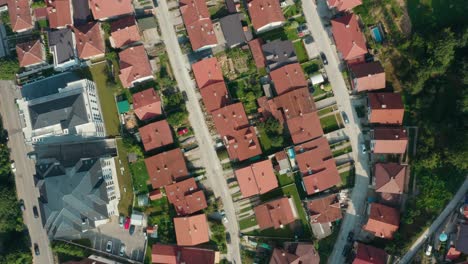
(233, 67)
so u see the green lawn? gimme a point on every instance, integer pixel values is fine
(329, 124)
(265, 141)
(140, 176)
(342, 151)
(125, 180)
(247, 222)
(325, 110)
(284, 179)
(106, 97)
(347, 178)
(311, 67)
(291, 33)
(300, 51)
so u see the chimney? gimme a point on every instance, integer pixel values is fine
(384, 106)
(347, 25)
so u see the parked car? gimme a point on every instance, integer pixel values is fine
(132, 229)
(345, 117)
(36, 213)
(121, 221)
(109, 246)
(21, 203)
(363, 148)
(324, 58)
(182, 131)
(228, 238)
(225, 220)
(122, 250)
(13, 166)
(346, 250)
(350, 236)
(36, 249)
(308, 39)
(127, 223)
(429, 250)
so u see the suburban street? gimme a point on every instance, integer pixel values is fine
(214, 171)
(451, 206)
(24, 171)
(356, 206)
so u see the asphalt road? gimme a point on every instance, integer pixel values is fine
(214, 171)
(352, 219)
(25, 170)
(451, 206)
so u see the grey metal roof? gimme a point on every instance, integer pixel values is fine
(279, 53)
(232, 30)
(48, 86)
(69, 112)
(63, 41)
(462, 239)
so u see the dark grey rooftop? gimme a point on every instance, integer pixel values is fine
(63, 41)
(81, 12)
(69, 111)
(279, 53)
(232, 30)
(48, 86)
(462, 239)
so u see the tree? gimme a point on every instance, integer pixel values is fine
(8, 68)
(274, 131)
(69, 249)
(10, 214)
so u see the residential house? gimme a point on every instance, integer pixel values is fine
(276, 214)
(30, 53)
(62, 45)
(186, 197)
(40, 14)
(324, 210)
(279, 53)
(147, 104)
(3, 5)
(389, 181)
(20, 14)
(59, 13)
(89, 41)
(461, 244)
(102, 10)
(349, 39)
(155, 135)
(385, 108)
(282, 162)
(265, 14)
(258, 178)
(81, 12)
(166, 168)
(198, 24)
(191, 230)
(343, 5)
(215, 96)
(287, 78)
(389, 140)
(368, 76)
(257, 53)
(74, 111)
(232, 30)
(206, 72)
(124, 32)
(238, 135)
(305, 127)
(169, 254)
(155, 194)
(366, 254)
(134, 66)
(383, 220)
(317, 166)
(295, 253)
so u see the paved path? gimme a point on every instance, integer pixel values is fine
(451, 206)
(357, 204)
(214, 170)
(25, 170)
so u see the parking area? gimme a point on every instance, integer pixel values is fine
(134, 244)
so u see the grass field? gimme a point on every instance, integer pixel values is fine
(140, 176)
(125, 180)
(284, 179)
(326, 110)
(265, 141)
(329, 124)
(347, 178)
(300, 51)
(247, 222)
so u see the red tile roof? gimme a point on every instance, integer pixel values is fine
(215, 96)
(198, 23)
(389, 140)
(367, 76)
(186, 197)
(383, 220)
(389, 178)
(343, 5)
(156, 135)
(166, 168)
(258, 178)
(239, 137)
(265, 12)
(288, 78)
(316, 163)
(257, 53)
(124, 31)
(147, 104)
(20, 15)
(276, 213)
(206, 72)
(453, 253)
(101, 9)
(366, 254)
(155, 195)
(324, 210)
(349, 39)
(295, 253)
(305, 127)
(59, 13)
(30, 53)
(89, 40)
(168, 254)
(134, 65)
(40, 13)
(386, 108)
(191, 230)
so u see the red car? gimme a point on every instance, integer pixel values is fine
(127, 223)
(182, 131)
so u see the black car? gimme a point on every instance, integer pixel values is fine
(36, 213)
(346, 250)
(345, 117)
(350, 236)
(132, 229)
(228, 238)
(36, 249)
(324, 58)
